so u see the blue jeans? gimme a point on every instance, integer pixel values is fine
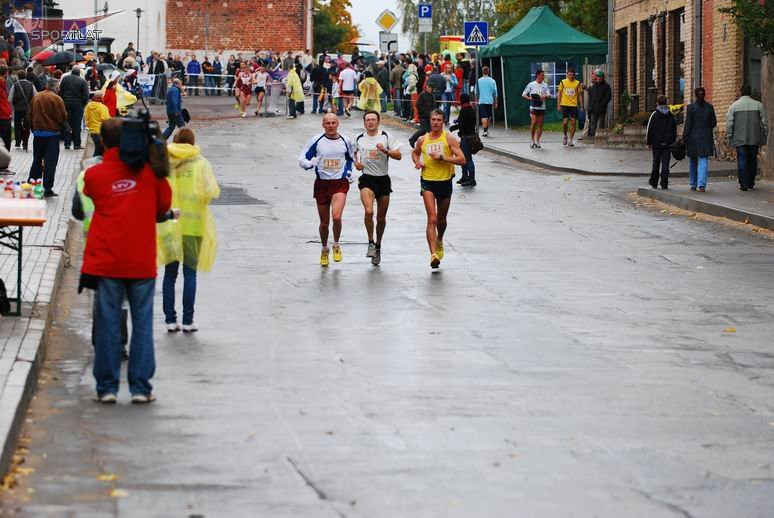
(174, 120)
(45, 150)
(383, 99)
(189, 293)
(397, 102)
(209, 85)
(747, 165)
(75, 120)
(107, 351)
(448, 99)
(469, 169)
(697, 172)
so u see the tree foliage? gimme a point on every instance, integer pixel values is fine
(756, 19)
(589, 16)
(449, 18)
(333, 27)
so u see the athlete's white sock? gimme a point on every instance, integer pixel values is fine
(335, 244)
(325, 248)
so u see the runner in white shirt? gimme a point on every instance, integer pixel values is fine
(347, 87)
(259, 80)
(536, 93)
(373, 150)
(331, 156)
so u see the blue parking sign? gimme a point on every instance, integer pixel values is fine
(476, 34)
(425, 10)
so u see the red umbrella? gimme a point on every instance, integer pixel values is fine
(43, 55)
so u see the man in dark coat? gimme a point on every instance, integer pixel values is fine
(600, 94)
(74, 91)
(425, 105)
(661, 134)
(700, 121)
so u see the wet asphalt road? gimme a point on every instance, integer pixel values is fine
(572, 357)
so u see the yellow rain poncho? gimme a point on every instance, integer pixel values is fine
(295, 89)
(370, 93)
(191, 239)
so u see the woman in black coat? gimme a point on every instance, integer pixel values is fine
(466, 124)
(700, 121)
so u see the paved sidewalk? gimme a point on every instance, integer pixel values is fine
(723, 199)
(582, 159)
(44, 256)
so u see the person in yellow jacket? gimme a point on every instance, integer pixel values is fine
(191, 239)
(370, 93)
(95, 113)
(295, 92)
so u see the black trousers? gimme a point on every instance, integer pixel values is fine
(5, 132)
(661, 158)
(45, 156)
(21, 129)
(193, 81)
(594, 120)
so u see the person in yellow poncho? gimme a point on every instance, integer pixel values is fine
(191, 239)
(295, 92)
(370, 93)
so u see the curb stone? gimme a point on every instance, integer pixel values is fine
(707, 207)
(559, 169)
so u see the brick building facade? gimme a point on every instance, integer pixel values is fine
(229, 26)
(654, 52)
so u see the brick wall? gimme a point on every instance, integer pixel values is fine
(236, 25)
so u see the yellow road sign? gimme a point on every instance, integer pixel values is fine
(387, 20)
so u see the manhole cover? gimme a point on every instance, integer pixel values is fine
(230, 195)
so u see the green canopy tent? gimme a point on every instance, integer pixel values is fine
(540, 40)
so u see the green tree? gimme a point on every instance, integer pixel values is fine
(333, 27)
(756, 19)
(510, 12)
(449, 18)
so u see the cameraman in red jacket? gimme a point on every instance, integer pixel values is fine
(120, 261)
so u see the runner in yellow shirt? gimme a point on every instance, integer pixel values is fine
(570, 99)
(435, 154)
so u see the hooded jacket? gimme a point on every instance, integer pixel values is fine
(662, 130)
(295, 89)
(191, 240)
(698, 134)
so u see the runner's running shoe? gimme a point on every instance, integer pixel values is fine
(337, 255)
(435, 261)
(324, 258)
(439, 249)
(377, 257)
(371, 250)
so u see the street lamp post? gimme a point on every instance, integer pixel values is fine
(138, 12)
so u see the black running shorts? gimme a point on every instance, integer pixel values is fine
(380, 185)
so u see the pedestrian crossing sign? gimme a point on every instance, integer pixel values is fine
(476, 34)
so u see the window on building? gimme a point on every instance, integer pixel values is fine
(634, 58)
(752, 67)
(555, 72)
(650, 63)
(623, 52)
(677, 19)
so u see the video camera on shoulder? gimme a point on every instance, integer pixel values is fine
(142, 143)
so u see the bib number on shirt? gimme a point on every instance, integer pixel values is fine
(332, 164)
(434, 148)
(372, 154)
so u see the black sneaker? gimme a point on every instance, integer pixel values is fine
(77, 147)
(743, 188)
(469, 183)
(50, 194)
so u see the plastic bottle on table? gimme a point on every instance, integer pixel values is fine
(17, 190)
(8, 190)
(38, 191)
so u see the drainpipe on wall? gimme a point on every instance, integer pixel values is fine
(309, 24)
(610, 36)
(697, 32)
